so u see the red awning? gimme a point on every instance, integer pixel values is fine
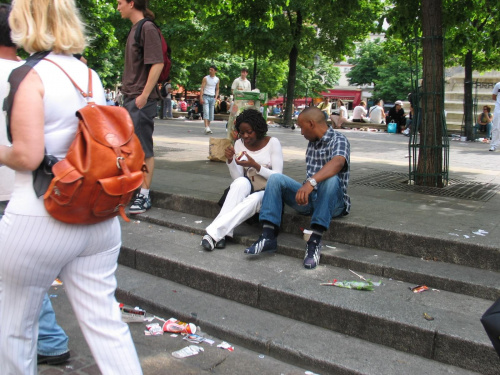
(353, 96)
(296, 102)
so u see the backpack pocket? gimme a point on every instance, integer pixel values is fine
(65, 185)
(114, 193)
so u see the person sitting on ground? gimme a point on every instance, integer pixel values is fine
(196, 110)
(262, 153)
(484, 121)
(341, 117)
(359, 112)
(325, 107)
(376, 112)
(322, 195)
(397, 115)
(182, 105)
(223, 106)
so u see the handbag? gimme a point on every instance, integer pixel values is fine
(258, 182)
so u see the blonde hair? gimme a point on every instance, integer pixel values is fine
(47, 25)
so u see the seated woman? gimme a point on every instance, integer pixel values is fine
(338, 120)
(260, 152)
(484, 121)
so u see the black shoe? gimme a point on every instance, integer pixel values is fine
(207, 242)
(221, 244)
(262, 245)
(53, 359)
(313, 252)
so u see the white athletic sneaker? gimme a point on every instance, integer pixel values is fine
(493, 148)
(207, 130)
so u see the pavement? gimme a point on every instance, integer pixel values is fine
(386, 214)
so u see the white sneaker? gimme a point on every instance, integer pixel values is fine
(207, 130)
(493, 148)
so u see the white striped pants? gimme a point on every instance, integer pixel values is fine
(33, 252)
(239, 206)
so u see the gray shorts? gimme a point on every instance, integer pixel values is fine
(143, 120)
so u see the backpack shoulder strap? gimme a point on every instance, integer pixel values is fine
(86, 95)
(15, 79)
(138, 30)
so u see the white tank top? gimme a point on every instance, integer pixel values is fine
(210, 86)
(60, 101)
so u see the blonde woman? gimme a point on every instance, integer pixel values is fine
(34, 247)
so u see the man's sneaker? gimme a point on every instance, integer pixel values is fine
(221, 244)
(207, 242)
(207, 130)
(262, 245)
(313, 252)
(493, 148)
(140, 205)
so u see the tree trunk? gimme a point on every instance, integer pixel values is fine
(254, 75)
(468, 100)
(292, 68)
(430, 157)
(290, 90)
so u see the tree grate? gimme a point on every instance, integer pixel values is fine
(476, 191)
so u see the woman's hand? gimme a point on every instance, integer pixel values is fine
(229, 153)
(250, 162)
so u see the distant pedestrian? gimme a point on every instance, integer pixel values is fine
(143, 65)
(209, 91)
(167, 100)
(495, 128)
(241, 83)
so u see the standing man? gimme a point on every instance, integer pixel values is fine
(52, 345)
(167, 103)
(209, 91)
(241, 83)
(143, 65)
(495, 129)
(323, 194)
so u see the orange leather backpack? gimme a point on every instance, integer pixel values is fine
(102, 169)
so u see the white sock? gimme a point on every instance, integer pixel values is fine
(145, 192)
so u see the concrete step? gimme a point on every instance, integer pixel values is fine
(350, 232)
(435, 274)
(285, 339)
(391, 315)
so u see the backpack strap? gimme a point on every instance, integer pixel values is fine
(15, 79)
(87, 95)
(138, 30)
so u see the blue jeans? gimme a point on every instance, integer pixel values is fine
(324, 203)
(208, 107)
(52, 339)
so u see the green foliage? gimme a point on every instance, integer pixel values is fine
(393, 81)
(369, 57)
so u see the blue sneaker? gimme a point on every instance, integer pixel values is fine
(262, 245)
(140, 205)
(313, 252)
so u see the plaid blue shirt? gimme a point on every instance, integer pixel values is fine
(321, 152)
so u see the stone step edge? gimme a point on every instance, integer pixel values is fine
(452, 347)
(287, 346)
(481, 283)
(344, 231)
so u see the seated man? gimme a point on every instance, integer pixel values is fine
(323, 195)
(376, 113)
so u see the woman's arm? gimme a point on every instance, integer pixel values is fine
(27, 126)
(276, 159)
(235, 170)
